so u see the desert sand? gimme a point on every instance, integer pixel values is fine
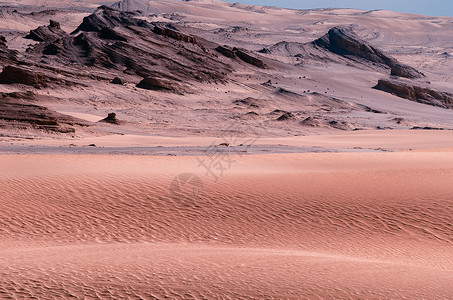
(249, 152)
(314, 225)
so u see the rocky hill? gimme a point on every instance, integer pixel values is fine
(341, 45)
(120, 41)
(190, 67)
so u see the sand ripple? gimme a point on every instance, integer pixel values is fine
(276, 226)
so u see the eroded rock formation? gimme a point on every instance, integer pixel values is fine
(416, 92)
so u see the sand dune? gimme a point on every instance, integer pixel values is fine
(343, 225)
(341, 191)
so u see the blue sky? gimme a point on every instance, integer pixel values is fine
(432, 7)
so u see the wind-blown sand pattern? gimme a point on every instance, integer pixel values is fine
(327, 225)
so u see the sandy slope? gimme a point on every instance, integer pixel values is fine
(355, 141)
(343, 225)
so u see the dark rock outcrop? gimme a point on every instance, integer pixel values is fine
(312, 122)
(23, 75)
(20, 114)
(158, 84)
(54, 24)
(28, 95)
(226, 51)
(6, 55)
(107, 17)
(53, 40)
(118, 80)
(400, 121)
(322, 123)
(110, 34)
(122, 42)
(344, 42)
(3, 42)
(33, 76)
(241, 54)
(418, 93)
(278, 111)
(426, 128)
(342, 125)
(405, 71)
(175, 34)
(48, 33)
(342, 45)
(286, 116)
(111, 119)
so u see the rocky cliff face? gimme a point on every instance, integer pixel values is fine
(34, 77)
(48, 33)
(118, 40)
(175, 34)
(344, 42)
(341, 45)
(242, 54)
(416, 92)
(22, 75)
(6, 55)
(17, 111)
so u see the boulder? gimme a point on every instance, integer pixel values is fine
(54, 24)
(157, 84)
(118, 80)
(111, 119)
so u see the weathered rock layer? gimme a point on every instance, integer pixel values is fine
(417, 93)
